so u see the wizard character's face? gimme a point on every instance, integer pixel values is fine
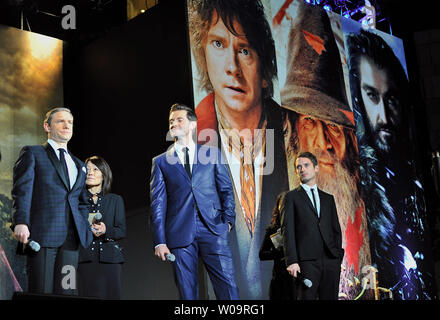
(323, 138)
(382, 106)
(233, 68)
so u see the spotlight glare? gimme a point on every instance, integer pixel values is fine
(42, 47)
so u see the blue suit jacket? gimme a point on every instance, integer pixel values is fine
(175, 196)
(41, 197)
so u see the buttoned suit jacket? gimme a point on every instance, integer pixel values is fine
(113, 216)
(41, 197)
(175, 197)
(304, 234)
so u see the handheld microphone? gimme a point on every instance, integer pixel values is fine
(307, 282)
(33, 245)
(170, 257)
(97, 219)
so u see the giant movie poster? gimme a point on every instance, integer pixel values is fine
(391, 189)
(310, 53)
(272, 78)
(30, 84)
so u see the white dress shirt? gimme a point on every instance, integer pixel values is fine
(71, 166)
(309, 193)
(181, 154)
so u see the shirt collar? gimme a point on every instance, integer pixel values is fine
(307, 187)
(179, 147)
(233, 138)
(91, 194)
(55, 145)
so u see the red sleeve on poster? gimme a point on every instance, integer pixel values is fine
(281, 13)
(316, 42)
(355, 240)
(348, 114)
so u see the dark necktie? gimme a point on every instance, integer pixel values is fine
(187, 167)
(314, 201)
(64, 165)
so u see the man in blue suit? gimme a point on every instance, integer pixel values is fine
(50, 206)
(193, 209)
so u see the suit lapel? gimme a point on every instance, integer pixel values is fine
(80, 171)
(56, 163)
(195, 160)
(240, 231)
(175, 162)
(307, 200)
(322, 205)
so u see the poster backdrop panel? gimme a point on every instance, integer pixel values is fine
(30, 84)
(235, 89)
(313, 87)
(391, 190)
(273, 78)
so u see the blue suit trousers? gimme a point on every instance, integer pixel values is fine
(216, 255)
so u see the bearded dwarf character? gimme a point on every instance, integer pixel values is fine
(389, 184)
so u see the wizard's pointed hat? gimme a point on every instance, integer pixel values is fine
(314, 76)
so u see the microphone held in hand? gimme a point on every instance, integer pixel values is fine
(170, 257)
(97, 219)
(308, 283)
(33, 245)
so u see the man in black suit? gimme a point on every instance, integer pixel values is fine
(50, 206)
(312, 234)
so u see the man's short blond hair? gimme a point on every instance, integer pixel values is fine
(50, 113)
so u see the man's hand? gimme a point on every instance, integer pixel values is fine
(161, 251)
(21, 233)
(293, 269)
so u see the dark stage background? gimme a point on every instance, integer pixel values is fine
(120, 88)
(121, 78)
